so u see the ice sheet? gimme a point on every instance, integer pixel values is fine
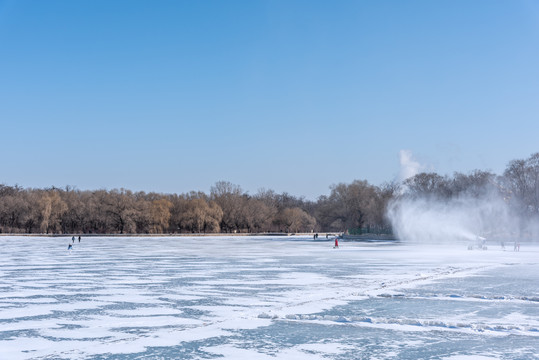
(258, 298)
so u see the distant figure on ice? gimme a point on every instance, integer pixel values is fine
(69, 247)
(79, 238)
(336, 243)
(73, 239)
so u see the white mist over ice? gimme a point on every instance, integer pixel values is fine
(433, 219)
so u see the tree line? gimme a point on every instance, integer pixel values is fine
(228, 209)
(518, 186)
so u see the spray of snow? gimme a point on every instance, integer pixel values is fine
(433, 219)
(464, 218)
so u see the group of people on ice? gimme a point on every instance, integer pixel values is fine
(70, 245)
(516, 246)
(315, 236)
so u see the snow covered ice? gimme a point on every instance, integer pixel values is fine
(265, 298)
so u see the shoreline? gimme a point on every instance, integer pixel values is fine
(171, 235)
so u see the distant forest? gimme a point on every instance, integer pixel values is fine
(355, 207)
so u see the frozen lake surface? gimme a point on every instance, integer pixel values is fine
(265, 298)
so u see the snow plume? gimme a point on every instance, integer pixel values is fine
(434, 220)
(409, 167)
(480, 212)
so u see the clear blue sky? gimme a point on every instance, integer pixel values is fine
(172, 96)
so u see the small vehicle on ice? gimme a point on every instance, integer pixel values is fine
(479, 243)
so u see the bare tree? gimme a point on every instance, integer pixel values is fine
(52, 209)
(427, 184)
(120, 207)
(295, 220)
(230, 198)
(201, 216)
(259, 215)
(521, 179)
(350, 206)
(160, 215)
(475, 184)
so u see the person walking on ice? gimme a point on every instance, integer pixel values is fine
(336, 243)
